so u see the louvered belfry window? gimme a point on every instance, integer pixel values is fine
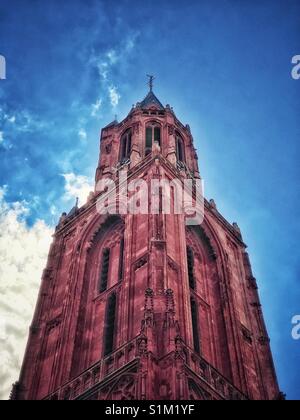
(153, 134)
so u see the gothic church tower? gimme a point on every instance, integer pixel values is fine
(142, 306)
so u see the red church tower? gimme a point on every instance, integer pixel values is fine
(142, 306)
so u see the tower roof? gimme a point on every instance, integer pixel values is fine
(112, 124)
(151, 99)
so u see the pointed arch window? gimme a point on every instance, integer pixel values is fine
(190, 263)
(126, 141)
(195, 325)
(180, 148)
(153, 134)
(103, 281)
(110, 324)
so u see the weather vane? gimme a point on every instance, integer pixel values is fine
(150, 83)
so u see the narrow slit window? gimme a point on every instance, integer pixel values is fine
(190, 262)
(148, 140)
(121, 262)
(104, 270)
(157, 134)
(180, 149)
(110, 325)
(195, 324)
(125, 146)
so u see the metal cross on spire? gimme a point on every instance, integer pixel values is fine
(150, 82)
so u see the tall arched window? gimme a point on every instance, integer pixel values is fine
(180, 149)
(110, 323)
(104, 270)
(190, 262)
(125, 145)
(153, 134)
(195, 325)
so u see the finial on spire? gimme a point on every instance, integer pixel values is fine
(150, 83)
(77, 202)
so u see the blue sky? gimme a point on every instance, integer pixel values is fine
(225, 67)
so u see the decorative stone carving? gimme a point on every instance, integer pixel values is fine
(165, 391)
(171, 130)
(252, 284)
(124, 389)
(247, 335)
(196, 392)
(256, 305)
(142, 345)
(172, 264)
(263, 340)
(141, 262)
(136, 128)
(108, 148)
(170, 301)
(53, 324)
(213, 204)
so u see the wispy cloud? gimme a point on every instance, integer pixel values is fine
(21, 120)
(17, 123)
(108, 61)
(96, 108)
(114, 96)
(82, 134)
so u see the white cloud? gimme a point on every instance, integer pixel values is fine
(1, 137)
(77, 186)
(53, 210)
(23, 256)
(130, 43)
(96, 108)
(114, 96)
(103, 69)
(82, 134)
(112, 56)
(11, 119)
